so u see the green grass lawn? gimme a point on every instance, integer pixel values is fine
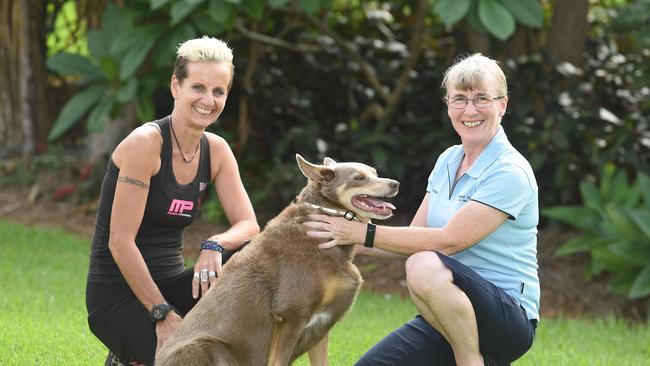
(43, 316)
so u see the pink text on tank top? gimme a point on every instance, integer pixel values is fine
(178, 207)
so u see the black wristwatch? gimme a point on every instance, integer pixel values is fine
(159, 312)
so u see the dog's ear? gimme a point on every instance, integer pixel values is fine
(329, 161)
(317, 173)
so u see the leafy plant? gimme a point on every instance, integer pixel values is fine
(615, 225)
(569, 122)
(105, 77)
(305, 93)
(498, 17)
(132, 53)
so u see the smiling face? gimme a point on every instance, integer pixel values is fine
(200, 98)
(477, 126)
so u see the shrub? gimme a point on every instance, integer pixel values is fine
(615, 224)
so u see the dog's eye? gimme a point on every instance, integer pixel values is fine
(359, 177)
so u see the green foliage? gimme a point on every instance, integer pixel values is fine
(24, 173)
(451, 11)
(76, 107)
(69, 32)
(527, 12)
(277, 3)
(211, 209)
(569, 122)
(118, 51)
(132, 35)
(559, 118)
(615, 225)
(633, 23)
(74, 64)
(496, 16)
(105, 81)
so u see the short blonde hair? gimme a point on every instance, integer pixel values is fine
(201, 49)
(468, 73)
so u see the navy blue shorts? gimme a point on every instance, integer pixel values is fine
(505, 332)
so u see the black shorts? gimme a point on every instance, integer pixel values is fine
(505, 332)
(120, 321)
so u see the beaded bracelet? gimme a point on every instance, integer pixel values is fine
(212, 245)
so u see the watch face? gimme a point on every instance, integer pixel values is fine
(159, 312)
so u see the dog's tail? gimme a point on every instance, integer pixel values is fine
(202, 350)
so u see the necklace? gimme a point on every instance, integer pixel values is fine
(186, 161)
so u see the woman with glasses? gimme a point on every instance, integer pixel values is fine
(472, 246)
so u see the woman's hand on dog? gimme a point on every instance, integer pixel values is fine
(336, 230)
(165, 328)
(210, 260)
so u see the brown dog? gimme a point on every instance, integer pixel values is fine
(281, 295)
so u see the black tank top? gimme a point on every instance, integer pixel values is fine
(170, 208)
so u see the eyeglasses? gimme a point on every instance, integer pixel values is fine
(479, 101)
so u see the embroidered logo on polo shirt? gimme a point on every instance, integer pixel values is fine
(464, 198)
(178, 207)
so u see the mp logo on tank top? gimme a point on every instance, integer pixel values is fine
(179, 207)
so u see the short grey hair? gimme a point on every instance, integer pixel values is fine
(201, 49)
(468, 72)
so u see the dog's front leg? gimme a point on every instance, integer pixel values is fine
(285, 335)
(318, 353)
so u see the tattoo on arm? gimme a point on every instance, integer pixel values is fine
(135, 182)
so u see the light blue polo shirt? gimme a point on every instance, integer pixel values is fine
(501, 178)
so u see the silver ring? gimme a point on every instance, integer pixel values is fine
(196, 275)
(212, 274)
(204, 275)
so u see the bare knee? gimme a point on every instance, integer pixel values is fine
(425, 272)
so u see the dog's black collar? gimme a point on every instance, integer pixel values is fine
(346, 214)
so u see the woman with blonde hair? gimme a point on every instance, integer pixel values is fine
(138, 287)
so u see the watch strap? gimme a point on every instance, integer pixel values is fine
(159, 312)
(370, 235)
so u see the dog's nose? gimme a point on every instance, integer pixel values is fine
(394, 184)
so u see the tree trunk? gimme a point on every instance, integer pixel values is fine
(100, 145)
(525, 41)
(475, 40)
(25, 76)
(245, 102)
(25, 114)
(568, 33)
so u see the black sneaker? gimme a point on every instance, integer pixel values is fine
(488, 361)
(113, 360)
